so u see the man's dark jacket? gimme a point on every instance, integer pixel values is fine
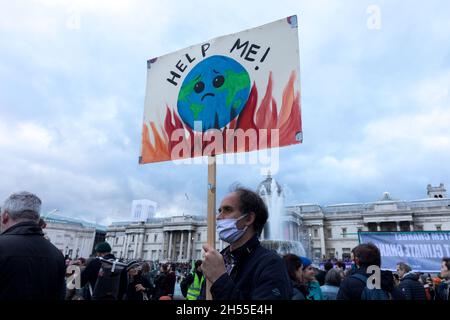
(31, 268)
(259, 274)
(411, 288)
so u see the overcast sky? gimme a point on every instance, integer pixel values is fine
(375, 101)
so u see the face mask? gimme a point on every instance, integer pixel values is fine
(228, 230)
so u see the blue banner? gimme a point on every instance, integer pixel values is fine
(423, 250)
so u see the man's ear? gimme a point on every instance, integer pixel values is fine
(5, 217)
(250, 219)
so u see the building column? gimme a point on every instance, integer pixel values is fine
(135, 246)
(163, 244)
(288, 230)
(180, 256)
(292, 236)
(378, 226)
(125, 244)
(398, 226)
(189, 249)
(169, 253)
(322, 241)
(140, 245)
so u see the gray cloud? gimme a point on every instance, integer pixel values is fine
(375, 103)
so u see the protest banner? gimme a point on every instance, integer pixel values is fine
(422, 250)
(235, 93)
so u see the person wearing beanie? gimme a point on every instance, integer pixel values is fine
(102, 249)
(138, 288)
(90, 274)
(305, 262)
(310, 282)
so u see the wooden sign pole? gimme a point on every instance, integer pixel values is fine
(211, 235)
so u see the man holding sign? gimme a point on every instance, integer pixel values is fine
(244, 270)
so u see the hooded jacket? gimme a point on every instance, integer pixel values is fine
(31, 268)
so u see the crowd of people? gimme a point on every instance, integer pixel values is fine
(338, 283)
(33, 268)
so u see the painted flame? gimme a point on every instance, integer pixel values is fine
(288, 121)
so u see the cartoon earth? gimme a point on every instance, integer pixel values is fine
(214, 92)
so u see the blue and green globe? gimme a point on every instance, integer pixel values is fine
(214, 92)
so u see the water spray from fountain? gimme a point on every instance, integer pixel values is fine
(276, 235)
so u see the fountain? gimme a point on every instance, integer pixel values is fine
(278, 235)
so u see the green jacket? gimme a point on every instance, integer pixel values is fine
(314, 291)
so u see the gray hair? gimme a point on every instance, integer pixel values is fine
(23, 206)
(403, 266)
(333, 277)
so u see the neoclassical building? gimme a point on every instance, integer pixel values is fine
(73, 237)
(324, 231)
(178, 238)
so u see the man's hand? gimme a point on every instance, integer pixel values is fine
(213, 265)
(139, 287)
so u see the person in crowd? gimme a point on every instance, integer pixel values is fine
(427, 283)
(353, 287)
(332, 283)
(309, 280)
(410, 286)
(192, 284)
(340, 265)
(171, 280)
(244, 270)
(30, 266)
(89, 276)
(148, 274)
(320, 274)
(70, 292)
(79, 292)
(295, 271)
(138, 288)
(161, 287)
(443, 289)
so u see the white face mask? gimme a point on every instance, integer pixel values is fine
(228, 230)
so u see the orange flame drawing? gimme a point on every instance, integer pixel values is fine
(287, 121)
